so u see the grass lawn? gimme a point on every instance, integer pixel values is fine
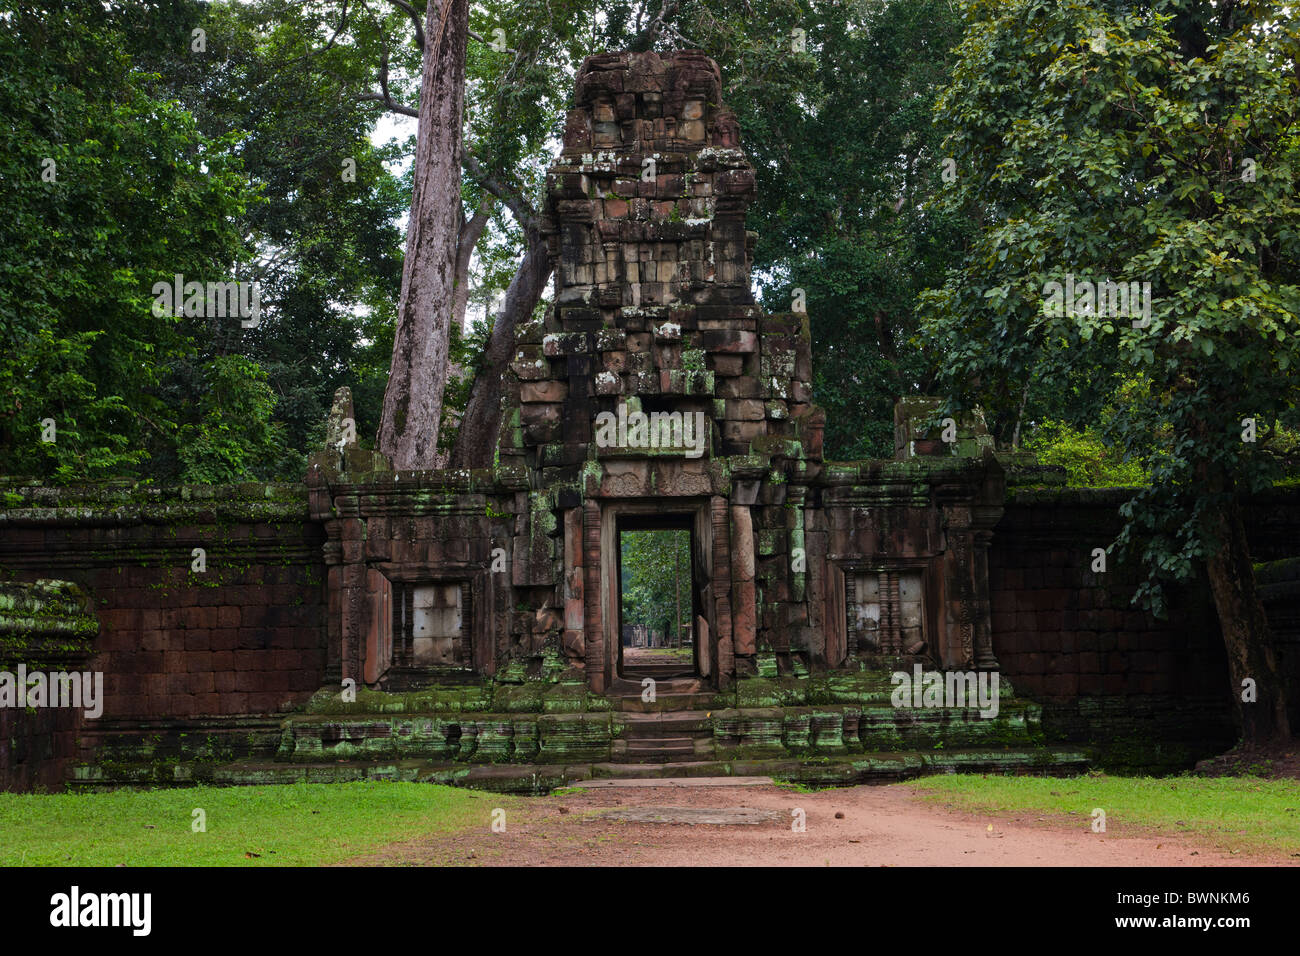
(644, 654)
(292, 825)
(1234, 812)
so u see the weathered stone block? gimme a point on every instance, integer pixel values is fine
(544, 391)
(746, 410)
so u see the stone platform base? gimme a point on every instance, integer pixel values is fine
(840, 730)
(538, 779)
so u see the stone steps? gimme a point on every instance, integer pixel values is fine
(655, 749)
(659, 671)
(665, 737)
(544, 778)
(667, 701)
(681, 723)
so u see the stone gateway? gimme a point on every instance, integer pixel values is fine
(465, 626)
(655, 388)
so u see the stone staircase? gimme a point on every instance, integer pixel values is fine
(838, 731)
(664, 737)
(663, 671)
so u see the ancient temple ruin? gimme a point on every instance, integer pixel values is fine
(464, 626)
(657, 394)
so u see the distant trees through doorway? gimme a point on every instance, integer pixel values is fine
(655, 591)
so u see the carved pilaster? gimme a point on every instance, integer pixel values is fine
(958, 650)
(595, 629)
(984, 656)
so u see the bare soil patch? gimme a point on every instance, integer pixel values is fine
(857, 826)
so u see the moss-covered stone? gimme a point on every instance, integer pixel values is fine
(45, 621)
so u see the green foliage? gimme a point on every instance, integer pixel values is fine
(223, 164)
(1090, 460)
(1084, 455)
(325, 242)
(87, 441)
(1127, 163)
(656, 578)
(234, 438)
(138, 193)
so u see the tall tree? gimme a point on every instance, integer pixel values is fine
(518, 73)
(1094, 142)
(412, 414)
(111, 186)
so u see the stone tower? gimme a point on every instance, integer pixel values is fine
(655, 394)
(655, 382)
(646, 224)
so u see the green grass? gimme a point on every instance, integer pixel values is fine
(648, 654)
(1234, 812)
(795, 786)
(288, 825)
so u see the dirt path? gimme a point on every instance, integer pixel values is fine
(879, 826)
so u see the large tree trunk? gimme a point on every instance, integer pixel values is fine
(470, 232)
(469, 237)
(476, 443)
(408, 426)
(1246, 632)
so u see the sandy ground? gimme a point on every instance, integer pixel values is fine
(858, 826)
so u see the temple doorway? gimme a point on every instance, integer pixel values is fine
(657, 597)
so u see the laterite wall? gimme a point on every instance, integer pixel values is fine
(223, 652)
(244, 637)
(1103, 669)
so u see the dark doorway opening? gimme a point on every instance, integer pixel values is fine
(658, 600)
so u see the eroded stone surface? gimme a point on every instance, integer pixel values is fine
(697, 816)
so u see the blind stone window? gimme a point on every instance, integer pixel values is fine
(885, 610)
(431, 625)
